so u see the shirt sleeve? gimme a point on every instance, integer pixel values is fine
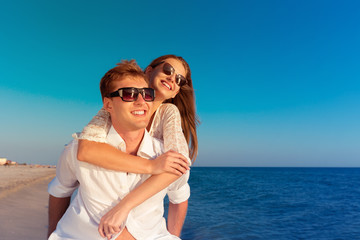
(173, 135)
(179, 191)
(97, 128)
(65, 182)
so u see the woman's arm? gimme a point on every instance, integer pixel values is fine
(107, 156)
(173, 135)
(97, 152)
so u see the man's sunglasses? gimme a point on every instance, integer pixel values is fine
(130, 94)
(169, 70)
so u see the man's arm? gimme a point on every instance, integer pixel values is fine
(110, 223)
(176, 217)
(57, 208)
(62, 186)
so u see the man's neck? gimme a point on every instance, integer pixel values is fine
(132, 140)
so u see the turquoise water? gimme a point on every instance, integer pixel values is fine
(273, 203)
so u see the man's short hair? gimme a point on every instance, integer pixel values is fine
(123, 69)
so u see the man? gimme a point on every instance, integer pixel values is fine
(128, 99)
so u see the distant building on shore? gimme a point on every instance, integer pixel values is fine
(5, 161)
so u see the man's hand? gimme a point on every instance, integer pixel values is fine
(113, 221)
(171, 162)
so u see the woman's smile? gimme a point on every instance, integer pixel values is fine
(166, 84)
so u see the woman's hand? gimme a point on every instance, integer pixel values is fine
(113, 221)
(171, 162)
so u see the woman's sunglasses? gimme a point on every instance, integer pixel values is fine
(180, 80)
(130, 94)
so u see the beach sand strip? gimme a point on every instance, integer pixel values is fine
(24, 206)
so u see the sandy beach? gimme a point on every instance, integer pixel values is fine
(24, 201)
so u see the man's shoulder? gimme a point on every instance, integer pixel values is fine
(72, 142)
(71, 146)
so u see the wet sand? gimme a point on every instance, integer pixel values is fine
(24, 202)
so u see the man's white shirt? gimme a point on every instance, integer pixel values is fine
(99, 190)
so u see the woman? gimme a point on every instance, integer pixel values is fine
(175, 123)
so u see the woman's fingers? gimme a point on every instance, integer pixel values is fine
(183, 163)
(101, 229)
(179, 156)
(179, 168)
(173, 167)
(172, 162)
(176, 163)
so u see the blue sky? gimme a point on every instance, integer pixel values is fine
(277, 82)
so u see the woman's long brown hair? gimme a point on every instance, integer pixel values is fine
(185, 102)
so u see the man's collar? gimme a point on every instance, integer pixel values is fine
(114, 139)
(146, 148)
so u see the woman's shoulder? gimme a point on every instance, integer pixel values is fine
(166, 112)
(168, 108)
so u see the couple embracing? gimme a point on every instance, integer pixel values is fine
(136, 150)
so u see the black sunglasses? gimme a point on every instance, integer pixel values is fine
(169, 70)
(130, 94)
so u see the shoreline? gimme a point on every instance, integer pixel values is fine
(24, 201)
(16, 177)
(24, 213)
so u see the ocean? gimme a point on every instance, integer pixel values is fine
(273, 203)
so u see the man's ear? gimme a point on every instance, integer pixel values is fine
(108, 104)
